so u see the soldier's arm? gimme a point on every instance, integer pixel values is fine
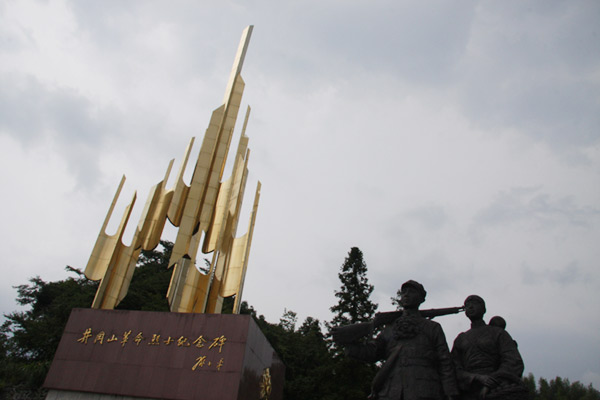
(371, 351)
(511, 363)
(445, 366)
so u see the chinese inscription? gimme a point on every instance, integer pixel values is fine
(215, 346)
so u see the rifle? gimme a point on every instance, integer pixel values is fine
(387, 317)
(350, 333)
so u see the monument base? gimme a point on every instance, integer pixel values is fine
(71, 395)
(161, 355)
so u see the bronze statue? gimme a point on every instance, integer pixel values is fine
(498, 321)
(487, 360)
(418, 364)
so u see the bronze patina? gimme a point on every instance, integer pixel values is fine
(417, 362)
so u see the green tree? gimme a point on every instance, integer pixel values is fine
(29, 338)
(150, 281)
(304, 352)
(351, 378)
(288, 320)
(354, 304)
(544, 390)
(313, 364)
(35, 333)
(559, 389)
(529, 382)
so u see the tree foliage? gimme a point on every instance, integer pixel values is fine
(559, 389)
(35, 333)
(304, 352)
(354, 304)
(150, 282)
(28, 339)
(352, 379)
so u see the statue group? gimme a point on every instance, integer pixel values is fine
(484, 362)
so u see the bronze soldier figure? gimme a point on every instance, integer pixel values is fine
(418, 364)
(487, 360)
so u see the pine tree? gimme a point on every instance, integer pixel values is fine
(352, 378)
(354, 303)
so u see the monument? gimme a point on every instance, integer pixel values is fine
(484, 363)
(194, 351)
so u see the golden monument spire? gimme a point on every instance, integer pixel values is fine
(206, 212)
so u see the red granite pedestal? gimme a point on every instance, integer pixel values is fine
(160, 355)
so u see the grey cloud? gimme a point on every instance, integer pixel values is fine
(305, 45)
(417, 42)
(530, 205)
(538, 75)
(569, 274)
(545, 33)
(430, 217)
(564, 114)
(434, 268)
(29, 110)
(35, 115)
(119, 29)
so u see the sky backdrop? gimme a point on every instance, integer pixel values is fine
(456, 143)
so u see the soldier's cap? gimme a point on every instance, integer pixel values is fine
(476, 298)
(416, 285)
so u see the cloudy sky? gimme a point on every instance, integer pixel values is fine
(456, 143)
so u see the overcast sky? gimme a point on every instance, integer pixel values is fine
(456, 143)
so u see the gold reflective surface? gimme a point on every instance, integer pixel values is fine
(206, 214)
